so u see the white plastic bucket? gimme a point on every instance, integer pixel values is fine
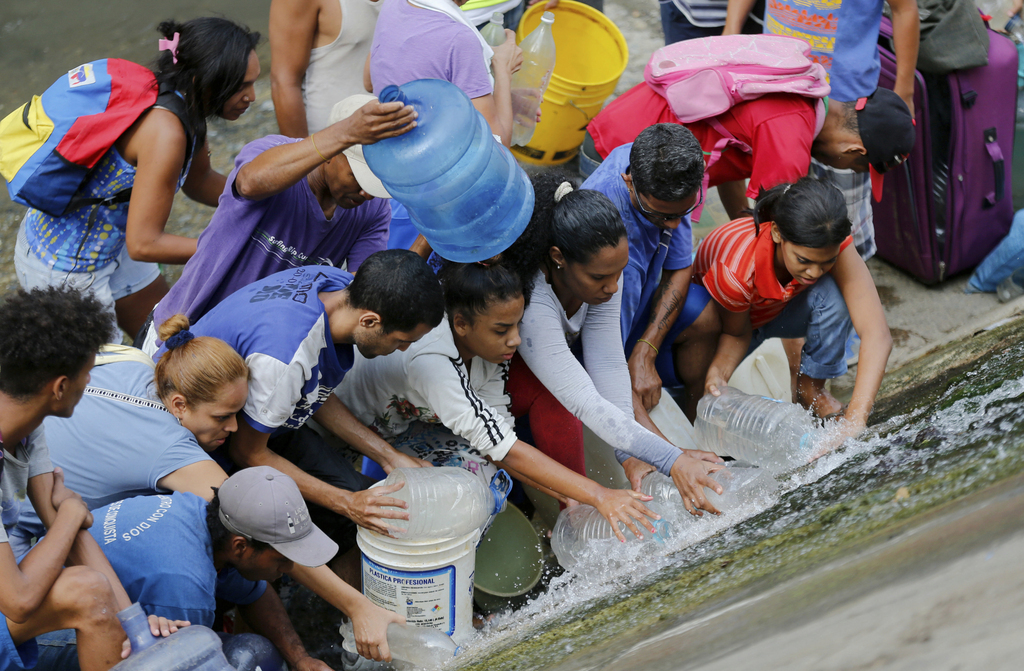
(429, 582)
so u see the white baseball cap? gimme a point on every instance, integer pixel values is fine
(368, 181)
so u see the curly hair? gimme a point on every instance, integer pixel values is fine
(47, 333)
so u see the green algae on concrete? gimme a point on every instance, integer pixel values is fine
(915, 464)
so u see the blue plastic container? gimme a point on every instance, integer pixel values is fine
(464, 191)
(193, 648)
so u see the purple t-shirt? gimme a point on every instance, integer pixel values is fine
(412, 43)
(248, 240)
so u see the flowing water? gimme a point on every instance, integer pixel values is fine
(964, 436)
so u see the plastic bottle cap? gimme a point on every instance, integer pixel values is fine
(547, 17)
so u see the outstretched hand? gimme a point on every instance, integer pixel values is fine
(376, 121)
(691, 477)
(624, 505)
(160, 627)
(371, 508)
(370, 627)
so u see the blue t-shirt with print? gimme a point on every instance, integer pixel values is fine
(160, 549)
(279, 326)
(643, 272)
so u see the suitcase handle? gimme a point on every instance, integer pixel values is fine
(998, 167)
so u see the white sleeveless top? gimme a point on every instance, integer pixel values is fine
(336, 70)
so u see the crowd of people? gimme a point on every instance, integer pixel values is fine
(140, 474)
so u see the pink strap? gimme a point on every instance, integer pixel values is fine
(170, 45)
(727, 140)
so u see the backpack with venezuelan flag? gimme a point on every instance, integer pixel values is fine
(49, 145)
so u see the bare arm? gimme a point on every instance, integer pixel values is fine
(369, 621)
(203, 184)
(732, 347)
(335, 416)
(293, 26)
(854, 280)
(85, 551)
(278, 168)
(668, 301)
(497, 107)
(370, 508)
(616, 505)
(267, 617)
(23, 587)
(367, 79)
(906, 36)
(156, 145)
(199, 478)
(421, 247)
(736, 16)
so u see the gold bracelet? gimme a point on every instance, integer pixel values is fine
(649, 343)
(315, 149)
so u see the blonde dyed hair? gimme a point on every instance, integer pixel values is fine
(198, 369)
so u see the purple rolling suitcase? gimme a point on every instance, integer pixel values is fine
(940, 217)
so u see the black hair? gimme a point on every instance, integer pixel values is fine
(810, 212)
(400, 287)
(580, 224)
(48, 333)
(220, 537)
(470, 288)
(213, 56)
(849, 110)
(666, 162)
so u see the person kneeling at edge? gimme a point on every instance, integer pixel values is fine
(297, 331)
(255, 529)
(47, 347)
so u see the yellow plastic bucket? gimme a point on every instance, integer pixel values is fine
(590, 56)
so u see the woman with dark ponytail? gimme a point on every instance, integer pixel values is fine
(791, 271)
(572, 342)
(456, 375)
(207, 67)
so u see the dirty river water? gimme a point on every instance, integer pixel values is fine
(946, 448)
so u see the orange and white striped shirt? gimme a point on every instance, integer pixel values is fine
(737, 267)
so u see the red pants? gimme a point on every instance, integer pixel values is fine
(556, 432)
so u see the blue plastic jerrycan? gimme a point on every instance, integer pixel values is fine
(193, 648)
(464, 191)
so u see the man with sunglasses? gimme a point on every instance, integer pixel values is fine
(655, 182)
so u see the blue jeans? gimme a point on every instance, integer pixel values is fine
(58, 651)
(820, 315)
(677, 27)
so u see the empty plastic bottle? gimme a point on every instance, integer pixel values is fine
(531, 81)
(582, 530)
(741, 483)
(494, 31)
(446, 502)
(411, 646)
(775, 435)
(464, 191)
(194, 648)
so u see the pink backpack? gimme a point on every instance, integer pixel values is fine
(706, 77)
(703, 78)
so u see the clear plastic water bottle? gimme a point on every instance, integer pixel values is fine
(582, 530)
(416, 647)
(464, 191)
(446, 502)
(1012, 286)
(494, 31)
(773, 434)
(741, 483)
(531, 81)
(194, 648)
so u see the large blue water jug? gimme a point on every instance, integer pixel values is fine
(464, 190)
(193, 648)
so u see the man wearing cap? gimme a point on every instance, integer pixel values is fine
(291, 203)
(177, 555)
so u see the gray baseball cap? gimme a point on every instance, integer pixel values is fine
(264, 504)
(368, 181)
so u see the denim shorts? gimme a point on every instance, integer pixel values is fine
(12, 656)
(114, 281)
